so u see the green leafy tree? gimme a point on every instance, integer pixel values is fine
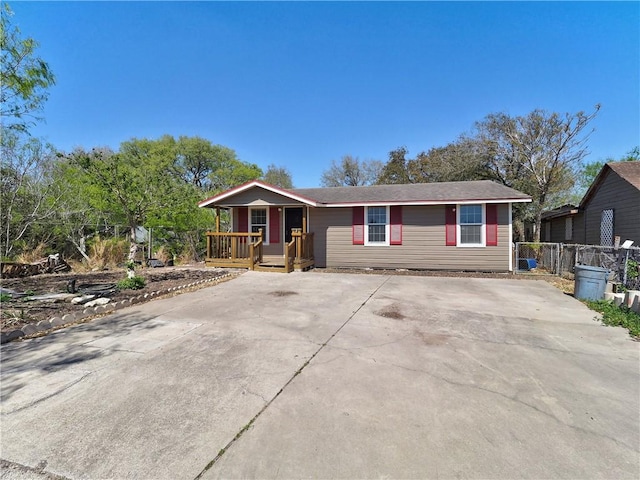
(153, 184)
(396, 170)
(24, 77)
(133, 184)
(198, 159)
(351, 172)
(458, 161)
(278, 176)
(233, 172)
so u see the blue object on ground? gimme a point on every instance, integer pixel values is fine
(527, 263)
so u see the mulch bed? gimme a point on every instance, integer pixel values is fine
(16, 313)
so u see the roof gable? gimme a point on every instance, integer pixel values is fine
(628, 171)
(255, 184)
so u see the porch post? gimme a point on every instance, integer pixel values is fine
(304, 219)
(208, 245)
(217, 219)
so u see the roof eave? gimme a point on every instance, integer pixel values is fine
(594, 185)
(427, 202)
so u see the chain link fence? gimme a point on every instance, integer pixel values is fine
(560, 259)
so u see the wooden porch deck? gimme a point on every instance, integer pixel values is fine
(245, 250)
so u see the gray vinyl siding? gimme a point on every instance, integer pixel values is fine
(423, 243)
(617, 194)
(257, 197)
(558, 230)
(578, 229)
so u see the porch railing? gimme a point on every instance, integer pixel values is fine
(289, 255)
(245, 250)
(303, 248)
(234, 249)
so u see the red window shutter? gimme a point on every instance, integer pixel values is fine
(243, 219)
(395, 225)
(274, 225)
(492, 225)
(358, 225)
(450, 225)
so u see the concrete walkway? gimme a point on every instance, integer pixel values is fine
(312, 375)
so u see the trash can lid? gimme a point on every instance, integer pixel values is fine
(590, 268)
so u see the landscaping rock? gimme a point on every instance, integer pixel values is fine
(82, 300)
(98, 301)
(30, 329)
(15, 334)
(56, 322)
(635, 306)
(618, 299)
(630, 296)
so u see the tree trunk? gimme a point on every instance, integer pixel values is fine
(538, 224)
(133, 246)
(518, 225)
(81, 248)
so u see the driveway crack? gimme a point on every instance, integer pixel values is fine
(297, 372)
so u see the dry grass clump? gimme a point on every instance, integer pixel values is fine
(163, 254)
(31, 256)
(566, 285)
(108, 252)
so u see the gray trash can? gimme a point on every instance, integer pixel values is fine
(591, 282)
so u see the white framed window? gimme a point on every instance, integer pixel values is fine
(471, 220)
(259, 220)
(376, 226)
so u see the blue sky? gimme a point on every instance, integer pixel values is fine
(301, 84)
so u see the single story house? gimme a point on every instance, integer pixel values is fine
(435, 226)
(562, 225)
(609, 210)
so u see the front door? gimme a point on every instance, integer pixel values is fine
(292, 219)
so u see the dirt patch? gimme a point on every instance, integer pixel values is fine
(283, 293)
(17, 312)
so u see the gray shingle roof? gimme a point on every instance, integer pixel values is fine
(445, 192)
(630, 171)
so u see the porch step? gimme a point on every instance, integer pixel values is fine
(270, 267)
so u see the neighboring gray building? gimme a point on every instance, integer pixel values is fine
(611, 206)
(446, 226)
(609, 209)
(562, 225)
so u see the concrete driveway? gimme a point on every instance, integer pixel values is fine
(313, 375)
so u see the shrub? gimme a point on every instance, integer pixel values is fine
(617, 316)
(134, 283)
